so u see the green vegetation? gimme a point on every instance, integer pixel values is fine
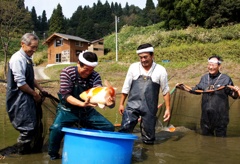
(187, 51)
(181, 47)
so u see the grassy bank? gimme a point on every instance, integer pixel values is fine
(115, 72)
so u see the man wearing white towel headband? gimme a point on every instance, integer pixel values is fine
(215, 105)
(73, 81)
(142, 84)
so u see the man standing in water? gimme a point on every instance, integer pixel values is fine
(215, 104)
(73, 81)
(21, 97)
(142, 84)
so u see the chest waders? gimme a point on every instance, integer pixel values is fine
(21, 106)
(215, 113)
(215, 109)
(142, 101)
(68, 115)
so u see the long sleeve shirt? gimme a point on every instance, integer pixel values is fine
(18, 64)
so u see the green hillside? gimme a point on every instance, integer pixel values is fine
(187, 50)
(189, 45)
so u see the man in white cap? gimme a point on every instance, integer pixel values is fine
(71, 109)
(215, 105)
(142, 84)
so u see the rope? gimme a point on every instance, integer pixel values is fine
(189, 89)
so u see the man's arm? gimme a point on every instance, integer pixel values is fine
(122, 101)
(72, 100)
(167, 113)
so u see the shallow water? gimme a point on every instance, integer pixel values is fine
(185, 145)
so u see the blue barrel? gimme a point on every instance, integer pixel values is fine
(85, 146)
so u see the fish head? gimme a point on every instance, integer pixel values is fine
(111, 91)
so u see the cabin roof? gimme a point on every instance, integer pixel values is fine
(65, 36)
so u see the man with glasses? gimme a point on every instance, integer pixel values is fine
(215, 104)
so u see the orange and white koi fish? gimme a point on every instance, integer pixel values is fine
(99, 95)
(170, 128)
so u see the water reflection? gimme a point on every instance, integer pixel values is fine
(185, 145)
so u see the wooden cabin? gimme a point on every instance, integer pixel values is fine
(97, 46)
(64, 49)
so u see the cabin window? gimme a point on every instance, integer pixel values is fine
(79, 44)
(58, 58)
(100, 43)
(98, 49)
(58, 42)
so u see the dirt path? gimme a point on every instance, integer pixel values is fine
(39, 73)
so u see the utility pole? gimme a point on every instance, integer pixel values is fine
(116, 22)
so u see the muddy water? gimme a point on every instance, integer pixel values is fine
(185, 145)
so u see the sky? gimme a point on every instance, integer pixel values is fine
(70, 6)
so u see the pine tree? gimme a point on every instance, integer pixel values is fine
(34, 19)
(44, 23)
(149, 5)
(75, 21)
(149, 15)
(126, 10)
(57, 21)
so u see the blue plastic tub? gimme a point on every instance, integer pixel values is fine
(85, 146)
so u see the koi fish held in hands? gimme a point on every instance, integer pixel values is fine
(103, 96)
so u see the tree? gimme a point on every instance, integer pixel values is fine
(44, 23)
(14, 20)
(149, 14)
(185, 13)
(75, 21)
(149, 5)
(165, 9)
(34, 19)
(177, 14)
(218, 13)
(57, 23)
(126, 10)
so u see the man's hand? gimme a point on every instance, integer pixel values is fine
(160, 105)
(110, 102)
(121, 109)
(183, 87)
(87, 103)
(37, 98)
(167, 115)
(180, 86)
